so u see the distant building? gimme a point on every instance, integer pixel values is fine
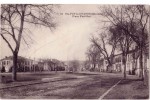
(49, 65)
(29, 65)
(23, 64)
(53, 65)
(132, 62)
(6, 64)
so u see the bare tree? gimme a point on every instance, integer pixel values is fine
(87, 65)
(133, 19)
(15, 18)
(93, 55)
(123, 44)
(101, 42)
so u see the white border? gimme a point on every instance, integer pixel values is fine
(75, 2)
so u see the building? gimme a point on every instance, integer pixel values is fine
(23, 65)
(6, 64)
(53, 65)
(132, 62)
(49, 65)
(29, 65)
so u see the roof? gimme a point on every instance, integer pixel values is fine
(11, 58)
(7, 58)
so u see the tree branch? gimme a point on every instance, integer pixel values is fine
(9, 45)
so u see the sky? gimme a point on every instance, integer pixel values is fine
(68, 41)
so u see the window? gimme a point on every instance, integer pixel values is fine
(7, 62)
(4, 62)
(119, 59)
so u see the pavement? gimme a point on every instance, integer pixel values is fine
(76, 86)
(10, 84)
(129, 89)
(19, 84)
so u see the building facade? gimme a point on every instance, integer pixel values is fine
(23, 64)
(132, 62)
(6, 64)
(29, 65)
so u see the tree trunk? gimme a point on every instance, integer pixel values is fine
(14, 69)
(134, 66)
(109, 67)
(94, 65)
(56, 69)
(141, 64)
(124, 64)
(124, 71)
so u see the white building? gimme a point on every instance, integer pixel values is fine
(6, 63)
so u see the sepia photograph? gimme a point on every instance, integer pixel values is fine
(74, 51)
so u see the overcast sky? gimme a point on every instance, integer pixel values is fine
(68, 41)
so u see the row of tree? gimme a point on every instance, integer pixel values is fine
(123, 26)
